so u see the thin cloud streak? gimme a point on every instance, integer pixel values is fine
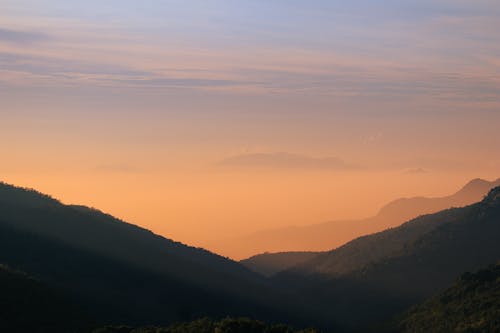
(284, 160)
(21, 37)
(427, 55)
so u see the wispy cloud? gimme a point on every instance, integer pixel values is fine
(283, 160)
(62, 71)
(416, 171)
(441, 50)
(117, 168)
(20, 36)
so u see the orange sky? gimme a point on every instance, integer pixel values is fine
(203, 120)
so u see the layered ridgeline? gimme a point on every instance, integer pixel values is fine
(269, 264)
(117, 273)
(393, 214)
(121, 273)
(374, 277)
(329, 235)
(472, 304)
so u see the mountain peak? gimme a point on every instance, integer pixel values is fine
(476, 182)
(479, 184)
(493, 197)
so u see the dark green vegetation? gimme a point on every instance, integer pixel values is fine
(377, 276)
(120, 273)
(27, 305)
(206, 325)
(471, 305)
(269, 264)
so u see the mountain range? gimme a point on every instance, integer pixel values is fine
(376, 276)
(90, 270)
(300, 242)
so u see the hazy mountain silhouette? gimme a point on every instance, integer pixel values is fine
(329, 235)
(269, 264)
(376, 276)
(121, 273)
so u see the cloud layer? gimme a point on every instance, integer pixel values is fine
(21, 37)
(283, 160)
(447, 51)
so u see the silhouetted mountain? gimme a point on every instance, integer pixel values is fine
(366, 250)
(407, 208)
(472, 305)
(269, 264)
(119, 272)
(329, 235)
(27, 305)
(122, 274)
(376, 276)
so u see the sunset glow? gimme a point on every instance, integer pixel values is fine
(209, 119)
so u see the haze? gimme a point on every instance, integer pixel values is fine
(207, 119)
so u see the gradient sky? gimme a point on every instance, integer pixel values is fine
(208, 118)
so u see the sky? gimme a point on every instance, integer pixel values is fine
(206, 119)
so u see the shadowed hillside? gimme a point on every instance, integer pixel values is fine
(376, 276)
(27, 305)
(118, 273)
(122, 273)
(92, 230)
(269, 264)
(472, 305)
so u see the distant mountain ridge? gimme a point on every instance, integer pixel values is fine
(377, 276)
(319, 237)
(404, 208)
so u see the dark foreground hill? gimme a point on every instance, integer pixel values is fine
(472, 305)
(27, 305)
(377, 276)
(124, 274)
(117, 273)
